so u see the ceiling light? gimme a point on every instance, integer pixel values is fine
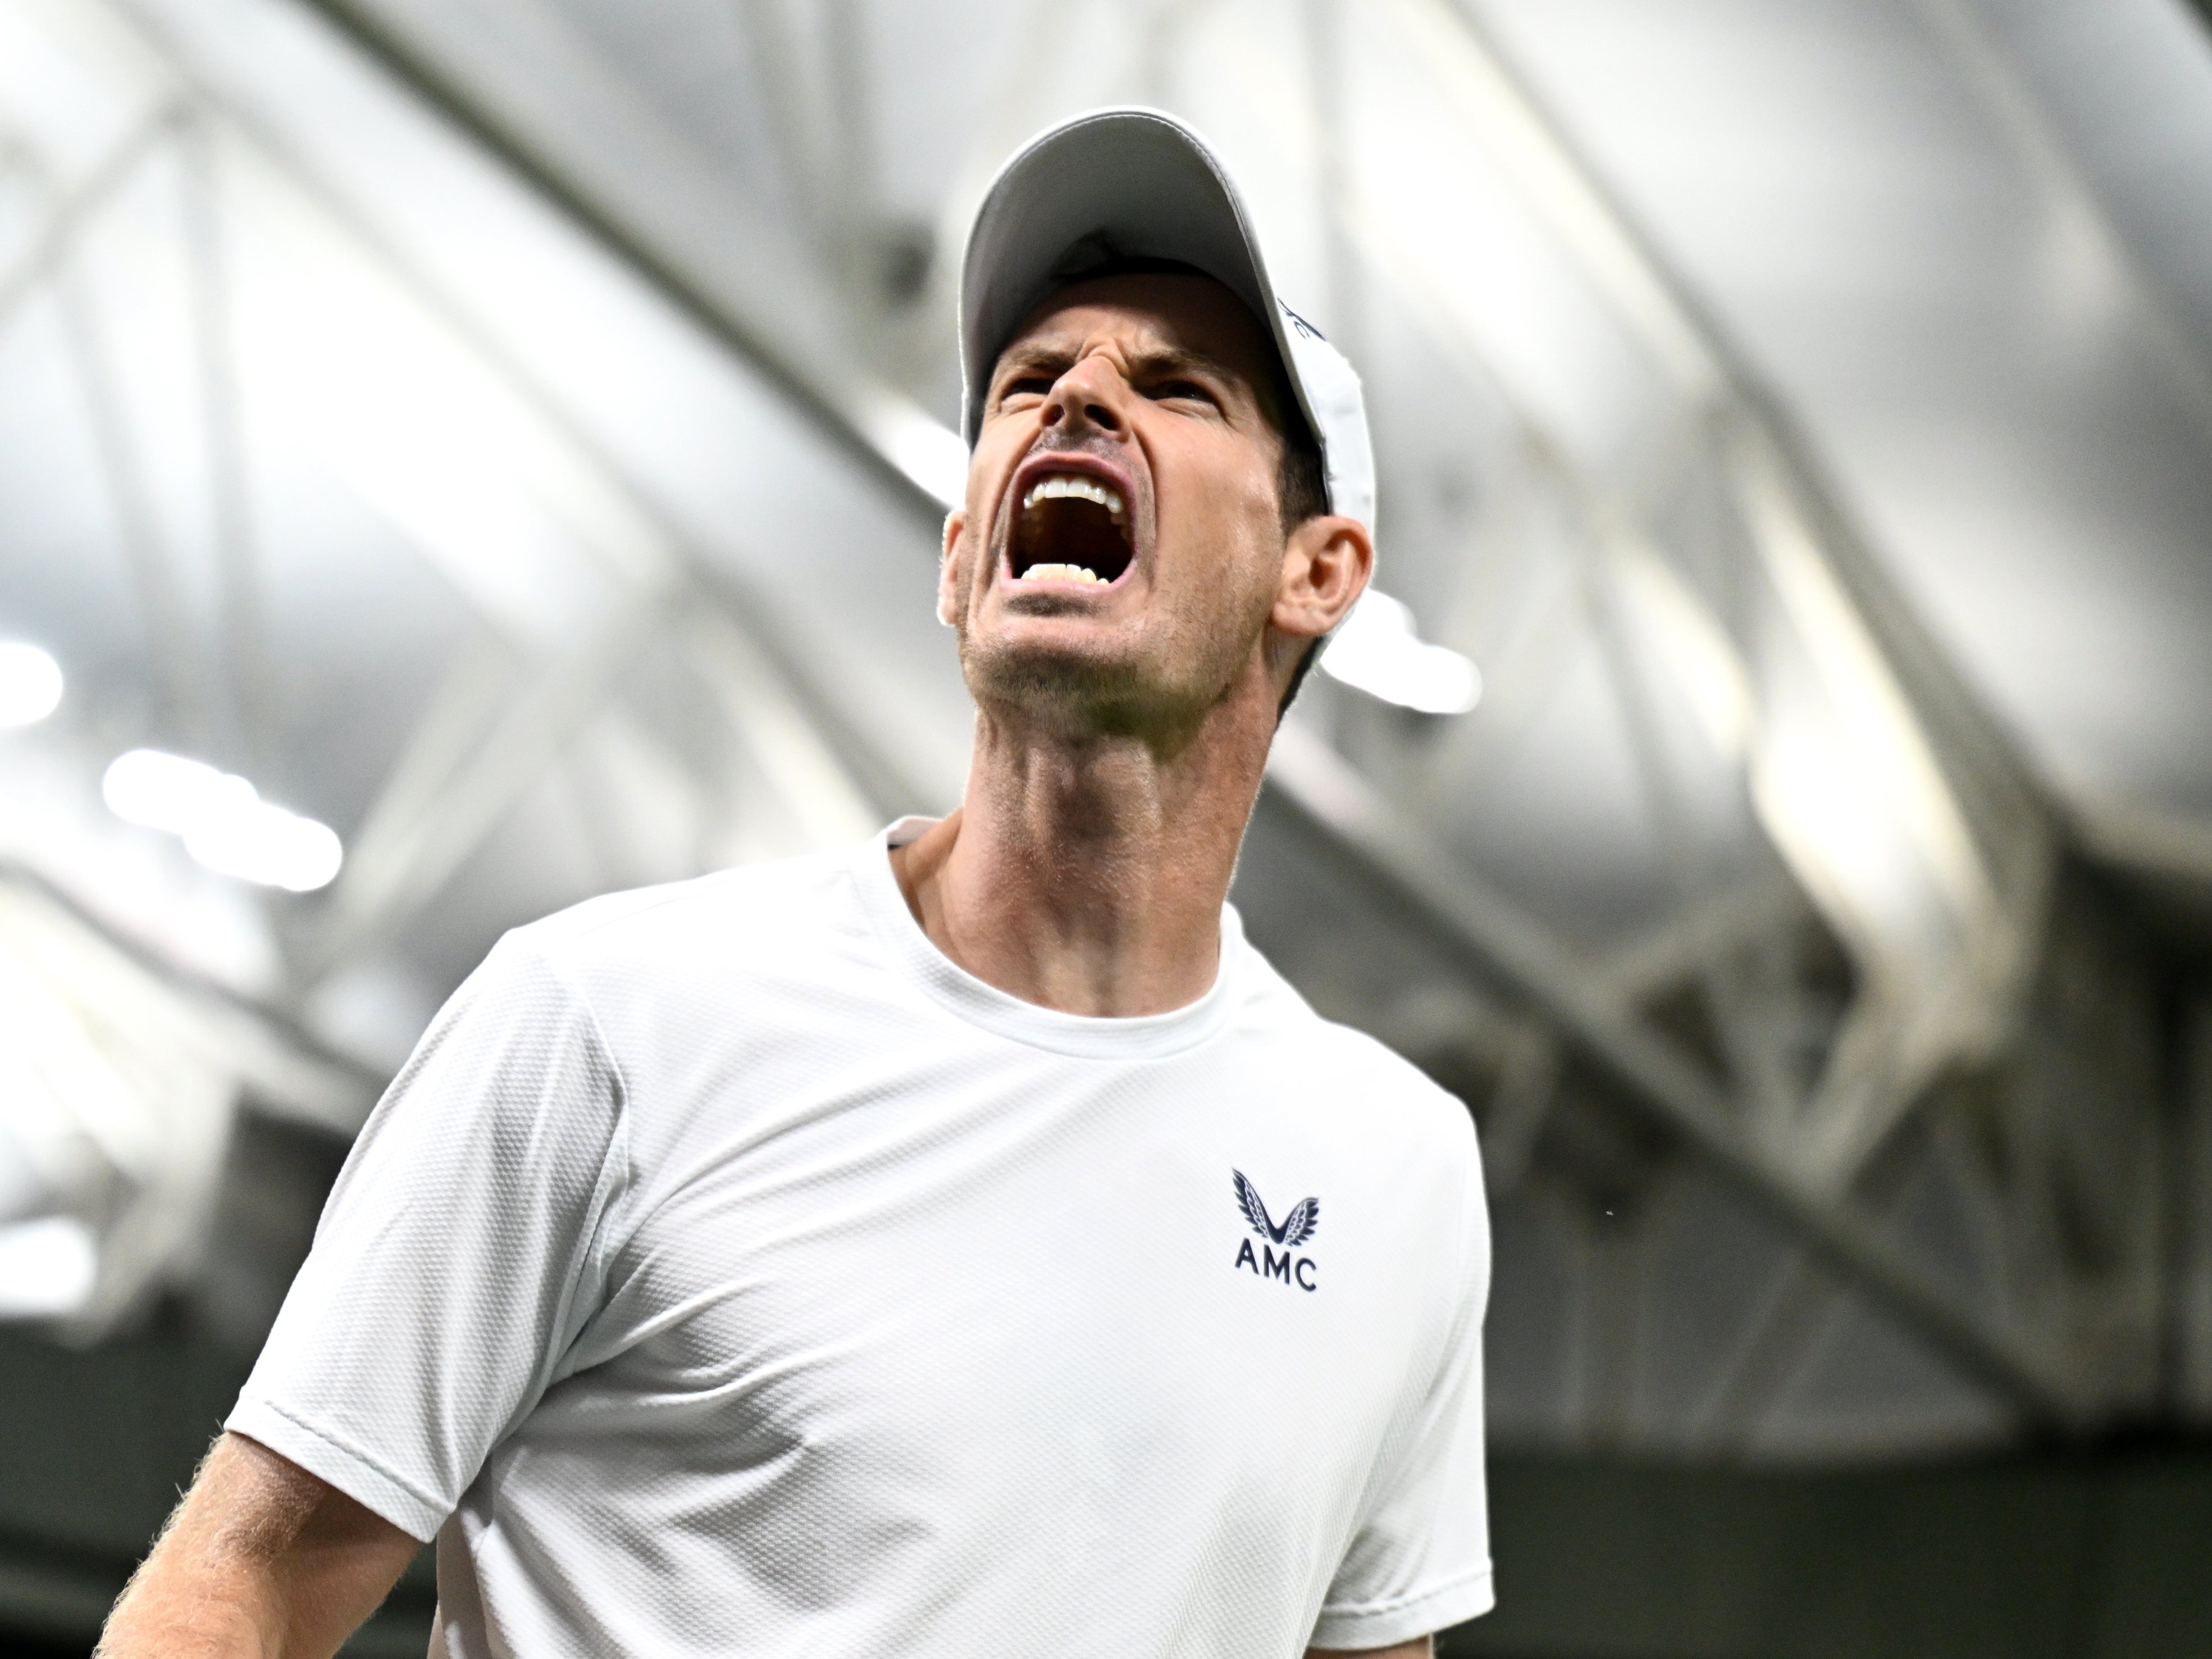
(30, 684)
(1378, 651)
(223, 820)
(48, 1268)
(929, 452)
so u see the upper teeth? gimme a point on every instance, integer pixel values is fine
(1061, 573)
(1065, 483)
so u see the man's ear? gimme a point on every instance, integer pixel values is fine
(1326, 566)
(948, 568)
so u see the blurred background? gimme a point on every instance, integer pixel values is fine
(457, 458)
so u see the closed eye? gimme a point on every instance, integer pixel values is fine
(1174, 390)
(1025, 386)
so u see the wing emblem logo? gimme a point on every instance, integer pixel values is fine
(1278, 1257)
(1299, 1225)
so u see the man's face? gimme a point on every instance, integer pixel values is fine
(1120, 550)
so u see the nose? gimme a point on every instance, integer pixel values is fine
(1086, 395)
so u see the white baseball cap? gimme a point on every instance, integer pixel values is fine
(1136, 183)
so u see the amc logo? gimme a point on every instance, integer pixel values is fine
(1278, 1256)
(1297, 1271)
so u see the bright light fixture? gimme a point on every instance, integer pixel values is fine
(223, 820)
(48, 1268)
(30, 684)
(1378, 651)
(928, 451)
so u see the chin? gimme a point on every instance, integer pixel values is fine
(1086, 698)
(1085, 686)
(1027, 668)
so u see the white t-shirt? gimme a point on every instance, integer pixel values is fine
(729, 1273)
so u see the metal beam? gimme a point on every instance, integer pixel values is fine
(883, 775)
(298, 1069)
(244, 632)
(2053, 160)
(835, 405)
(1391, 856)
(1626, 262)
(173, 649)
(66, 212)
(497, 749)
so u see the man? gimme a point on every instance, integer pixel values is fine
(962, 1246)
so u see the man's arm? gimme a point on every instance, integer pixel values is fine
(1418, 1648)
(262, 1560)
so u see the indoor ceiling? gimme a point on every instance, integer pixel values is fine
(513, 433)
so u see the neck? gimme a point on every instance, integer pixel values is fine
(1086, 871)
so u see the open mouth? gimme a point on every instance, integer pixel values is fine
(1071, 528)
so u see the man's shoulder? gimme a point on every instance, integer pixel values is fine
(1393, 1093)
(726, 920)
(1350, 1068)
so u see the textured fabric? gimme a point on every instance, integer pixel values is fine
(728, 1273)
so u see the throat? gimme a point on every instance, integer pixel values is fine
(1066, 884)
(1069, 538)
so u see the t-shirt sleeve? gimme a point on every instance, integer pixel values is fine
(452, 1266)
(1420, 1558)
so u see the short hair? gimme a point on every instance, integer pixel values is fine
(1301, 476)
